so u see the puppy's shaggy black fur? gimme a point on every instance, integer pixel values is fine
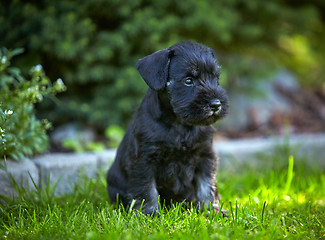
(166, 154)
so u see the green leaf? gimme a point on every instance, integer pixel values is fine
(17, 51)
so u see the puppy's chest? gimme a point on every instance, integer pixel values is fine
(177, 157)
(184, 171)
(176, 148)
(176, 170)
(176, 179)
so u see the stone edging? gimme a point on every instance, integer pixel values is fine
(65, 168)
(309, 146)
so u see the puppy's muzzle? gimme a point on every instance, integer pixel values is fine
(215, 106)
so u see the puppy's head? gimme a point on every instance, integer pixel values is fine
(190, 74)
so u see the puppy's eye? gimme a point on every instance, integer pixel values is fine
(189, 81)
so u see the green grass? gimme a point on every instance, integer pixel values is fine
(284, 200)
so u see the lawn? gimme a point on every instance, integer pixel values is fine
(286, 199)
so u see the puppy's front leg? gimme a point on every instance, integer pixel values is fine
(142, 189)
(205, 193)
(207, 196)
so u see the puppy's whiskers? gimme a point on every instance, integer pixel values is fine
(216, 113)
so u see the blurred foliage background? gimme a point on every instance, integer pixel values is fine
(93, 45)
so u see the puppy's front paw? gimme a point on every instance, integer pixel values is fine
(216, 209)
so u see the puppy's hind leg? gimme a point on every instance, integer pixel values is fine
(116, 195)
(143, 189)
(116, 186)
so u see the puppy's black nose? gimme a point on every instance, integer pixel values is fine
(215, 105)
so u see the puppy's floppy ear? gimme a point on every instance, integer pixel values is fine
(154, 68)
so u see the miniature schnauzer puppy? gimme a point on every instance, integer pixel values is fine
(166, 155)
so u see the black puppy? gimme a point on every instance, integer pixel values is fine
(166, 154)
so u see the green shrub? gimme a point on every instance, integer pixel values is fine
(21, 133)
(94, 45)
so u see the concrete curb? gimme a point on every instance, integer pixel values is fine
(65, 168)
(22, 173)
(309, 146)
(51, 168)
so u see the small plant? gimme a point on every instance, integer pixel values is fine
(21, 133)
(115, 135)
(78, 146)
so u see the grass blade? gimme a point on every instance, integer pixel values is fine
(263, 211)
(290, 174)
